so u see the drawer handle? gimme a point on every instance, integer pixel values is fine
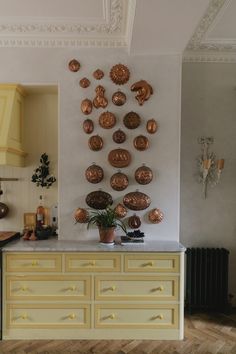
(24, 316)
(24, 288)
(112, 316)
(72, 288)
(149, 264)
(92, 263)
(159, 288)
(158, 317)
(34, 263)
(72, 316)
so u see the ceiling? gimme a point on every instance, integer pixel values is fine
(204, 30)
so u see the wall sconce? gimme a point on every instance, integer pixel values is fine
(209, 167)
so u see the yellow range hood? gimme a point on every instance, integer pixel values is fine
(11, 124)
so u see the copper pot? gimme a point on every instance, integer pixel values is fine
(3, 210)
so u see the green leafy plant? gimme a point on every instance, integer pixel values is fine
(105, 219)
(42, 175)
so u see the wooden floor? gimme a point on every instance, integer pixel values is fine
(205, 334)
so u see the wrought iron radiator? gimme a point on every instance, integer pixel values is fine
(207, 279)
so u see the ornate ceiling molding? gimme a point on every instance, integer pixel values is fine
(209, 57)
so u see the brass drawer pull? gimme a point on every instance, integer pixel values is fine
(72, 316)
(24, 288)
(92, 263)
(24, 316)
(34, 263)
(72, 288)
(112, 316)
(158, 317)
(159, 288)
(149, 264)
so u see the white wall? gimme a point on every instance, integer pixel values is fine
(164, 74)
(209, 109)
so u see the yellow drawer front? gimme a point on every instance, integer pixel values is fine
(152, 263)
(89, 262)
(48, 287)
(136, 316)
(36, 262)
(136, 288)
(47, 316)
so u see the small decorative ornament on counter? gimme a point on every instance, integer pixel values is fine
(132, 120)
(155, 216)
(86, 106)
(134, 221)
(84, 83)
(136, 200)
(98, 74)
(119, 74)
(141, 143)
(120, 210)
(94, 173)
(144, 91)
(118, 98)
(95, 143)
(99, 200)
(100, 99)
(151, 126)
(107, 120)
(81, 215)
(119, 181)
(88, 126)
(74, 65)
(42, 176)
(143, 175)
(119, 158)
(133, 237)
(119, 136)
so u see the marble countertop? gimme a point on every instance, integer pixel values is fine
(54, 245)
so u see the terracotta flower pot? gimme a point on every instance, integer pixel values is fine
(107, 235)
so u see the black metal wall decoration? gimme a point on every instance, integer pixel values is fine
(42, 176)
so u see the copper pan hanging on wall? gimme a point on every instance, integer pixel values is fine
(99, 200)
(136, 200)
(119, 181)
(119, 158)
(94, 174)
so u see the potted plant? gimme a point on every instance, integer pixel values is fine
(107, 221)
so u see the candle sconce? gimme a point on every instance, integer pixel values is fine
(210, 168)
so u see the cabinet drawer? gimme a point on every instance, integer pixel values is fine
(35, 262)
(47, 316)
(89, 262)
(56, 287)
(136, 288)
(136, 316)
(152, 263)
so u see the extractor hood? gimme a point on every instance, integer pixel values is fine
(11, 124)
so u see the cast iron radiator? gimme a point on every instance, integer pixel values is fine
(207, 279)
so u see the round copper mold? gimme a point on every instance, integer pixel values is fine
(119, 136)
(99, 200)
(155, 216)
(84, 83)
(141, 143)
(119, 181)
(119, 74)
(119, 98)
(132, 120)
(120, 210)
(151, 126)
(74, 65)
(88, 126)
(107, 120)
(81, 215)
(86, 106)
(143, 175)
(134, 221)
(94, 174)
(95, 143)
(119, 158)
(98, 74)
(136, 200)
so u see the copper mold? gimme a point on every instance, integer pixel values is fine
(100, 99)
(99, 200)
(107, 120)
(151, 126)
(143, 175)
(74, 65)
(119, 181)
(155, 216)
(94, 174)
(81, 215)
(98, 74)
(134, 221)
(119, 136)
(131, 120)
(86, 106)
(119, 98)
(119, 74)
(84, 83)
(88, 126)
(136, 201)
(120, 210)
(141, 143)
(119, 158)
(144, 91)
(95, 143)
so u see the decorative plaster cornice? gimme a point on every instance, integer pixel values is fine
(209, 57)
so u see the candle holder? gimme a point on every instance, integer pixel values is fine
(210, 168)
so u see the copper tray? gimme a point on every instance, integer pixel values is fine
(119, 98)
(88, 126)
(120, 210)
(134, 221)
(155, 216)
(119, 74)
(119, 136)
(119, 181)
(119, 158)
(99, 200)
(107, 120)
(94, 174)
(74, 65)
(136, 201)
(95, 143)
(86, 106)
(151, 126)
(141, 143)
(132, 120)
(143, 175)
